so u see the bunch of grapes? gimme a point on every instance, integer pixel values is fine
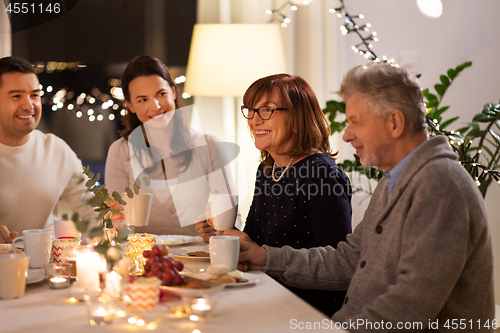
(164, 268)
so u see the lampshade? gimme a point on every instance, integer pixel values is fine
(225, 59)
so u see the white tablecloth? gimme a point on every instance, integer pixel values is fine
(264, 307)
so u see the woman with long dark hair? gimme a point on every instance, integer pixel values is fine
(157, 142)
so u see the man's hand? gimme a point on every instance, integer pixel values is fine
(6, 236)
(252, 257)
(204, 229)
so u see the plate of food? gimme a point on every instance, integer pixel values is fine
(233, 280)
(194, 253)
(194, 287)
(7, 248)
(174, 240)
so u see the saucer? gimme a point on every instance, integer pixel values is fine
(35, 275)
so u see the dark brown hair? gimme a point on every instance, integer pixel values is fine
(308, 129)
(146, 65)
(15, 65)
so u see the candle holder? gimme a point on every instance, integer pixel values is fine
(201, 308)
(137, 244)
(58, 275)
(100, 309)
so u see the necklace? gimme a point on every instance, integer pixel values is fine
(283, 173)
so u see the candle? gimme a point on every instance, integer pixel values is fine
(58, 282)
(113, 286)
(100, 309)
(200, 306)
(100, 317)
(87, 268)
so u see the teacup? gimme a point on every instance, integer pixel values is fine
(37, 245)
(137, 209)
(13, 274)
(65, 229)
(223, 210)
(225, 250)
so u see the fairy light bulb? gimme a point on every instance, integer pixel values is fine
(301, 2)
(430, 8)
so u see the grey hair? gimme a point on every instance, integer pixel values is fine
(386, 88)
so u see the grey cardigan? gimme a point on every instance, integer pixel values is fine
(423, 257)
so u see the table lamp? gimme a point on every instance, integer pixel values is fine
(224, 59)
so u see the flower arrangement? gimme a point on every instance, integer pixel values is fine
(108, 209)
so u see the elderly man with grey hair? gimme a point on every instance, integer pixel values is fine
(421, 258)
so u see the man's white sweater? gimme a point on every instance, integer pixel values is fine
(32, 179)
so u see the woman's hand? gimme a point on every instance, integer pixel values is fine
(6, 236)
(117, 219)
(204, 229)
(233, 232)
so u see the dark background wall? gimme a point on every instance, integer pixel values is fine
(103, 35)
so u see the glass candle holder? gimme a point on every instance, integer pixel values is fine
(201, 308)
(100, 309)
(58, 275)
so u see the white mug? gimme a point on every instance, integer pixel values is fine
(13, 274)
(137, 209)
(223, 211)
(225, 250)
(37, 245)
(65, 229)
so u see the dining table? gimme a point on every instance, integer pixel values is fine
(264, 306)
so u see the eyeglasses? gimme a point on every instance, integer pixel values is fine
(264, 112)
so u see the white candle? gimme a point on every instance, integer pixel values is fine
(113, 283)
(87, 268)
(58, 282)
(201, 307)
(57, 279)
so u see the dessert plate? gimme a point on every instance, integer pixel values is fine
(252, 278)
(182, 253)
(192, 292)
(174, 240)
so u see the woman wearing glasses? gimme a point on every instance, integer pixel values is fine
(302, 199)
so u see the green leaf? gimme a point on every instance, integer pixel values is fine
(473, 125)
(495, 136)
(446, 123)
(463, 66)
(147, 181)
(96, 232)
(441, 110)
(118, 198)
(137, 182)
(82, 225)
(462, 130)
(475, 133)
(96, 201)
(452, 73)
(115, 210)
(129, 192)
(439, 89)
(445, 81)
(122, 234)
(483, 118)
